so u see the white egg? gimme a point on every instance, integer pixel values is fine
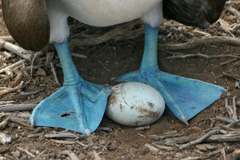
(135, 104)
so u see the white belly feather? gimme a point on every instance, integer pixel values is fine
(99, 13)
(104, 12)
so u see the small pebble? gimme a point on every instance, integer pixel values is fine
(5, 139)
(41, 72)
(16, 154)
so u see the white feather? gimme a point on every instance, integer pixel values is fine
(100, 13)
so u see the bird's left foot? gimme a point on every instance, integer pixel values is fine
(184, 97)
(78, 107)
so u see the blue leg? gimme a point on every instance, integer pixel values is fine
(184, 97)
(78, 105)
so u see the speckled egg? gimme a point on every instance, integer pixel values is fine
(135, 104)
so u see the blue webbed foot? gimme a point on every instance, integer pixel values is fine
(184, 97)
(78, 105)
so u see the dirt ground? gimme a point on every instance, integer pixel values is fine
(102, 63)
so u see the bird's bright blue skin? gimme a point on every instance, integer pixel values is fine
(184, 97)
(78, 105)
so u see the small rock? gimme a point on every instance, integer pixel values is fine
(16, 154)
(237, 84)
(112, 146)
(41, 72)
(5, 139)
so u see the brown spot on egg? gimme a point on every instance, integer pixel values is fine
(147, 113)
(151, 105)
(112, 100)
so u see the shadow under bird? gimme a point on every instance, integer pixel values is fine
(80, 105)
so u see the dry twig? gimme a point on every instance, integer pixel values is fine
(27, 55)
(26, 151)
(62, 135)
(55, 74)
(231, 136)
(4, 123)
(6, 90)
(199, 42)
(9, 69)
(200, 55)
(16, 107)
(231, 109)
(7, 38)
(233, 11)
(199, 140)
